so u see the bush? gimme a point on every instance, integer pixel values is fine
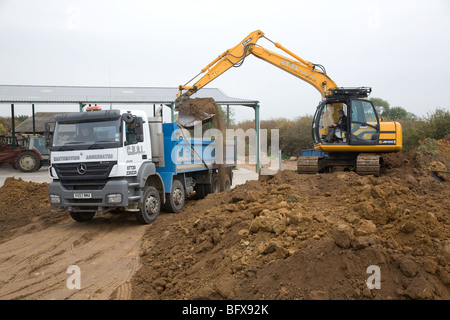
(295, 135)
(435, 126)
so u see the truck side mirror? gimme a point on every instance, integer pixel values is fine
(139, 129)
(48, 141)
(128, 118)
(134, 129)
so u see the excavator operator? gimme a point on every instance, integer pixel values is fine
(341, 124)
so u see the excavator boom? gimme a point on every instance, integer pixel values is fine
(235, 56)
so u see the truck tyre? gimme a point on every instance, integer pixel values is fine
(149, 207)
(215, 186)
(28, 161)
(225, 183)
(175, 200)
(82, 216)
(200, 191)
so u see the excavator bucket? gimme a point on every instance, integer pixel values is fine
(198, 109)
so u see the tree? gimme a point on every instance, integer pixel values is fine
(397, 113)
(21, 118)
(435, 126)
(411, 116)
(223, 115)
(382, 106)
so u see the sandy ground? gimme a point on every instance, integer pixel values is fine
(105, 252)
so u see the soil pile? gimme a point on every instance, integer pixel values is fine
(312, 236)
(203, 109)
(24, 208)
(309, 237)
(198, 109)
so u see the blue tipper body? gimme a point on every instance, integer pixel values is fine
(184, 154)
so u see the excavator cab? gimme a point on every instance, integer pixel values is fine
(349, 144)
(358, 125)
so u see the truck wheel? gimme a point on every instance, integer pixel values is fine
(149, 207)
(226, 183)
(82, 216)
(177, 197)
(215, 184)
(200, 191)
(28, 161)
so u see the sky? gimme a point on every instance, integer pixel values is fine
(399, 48)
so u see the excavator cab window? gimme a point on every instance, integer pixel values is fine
(365, 126)
(326, 116)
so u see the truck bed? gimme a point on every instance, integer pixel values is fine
(186, 155)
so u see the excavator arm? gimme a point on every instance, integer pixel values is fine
(313, 74)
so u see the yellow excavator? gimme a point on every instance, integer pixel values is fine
(346, 129)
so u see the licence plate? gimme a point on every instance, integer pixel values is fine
(82, 195)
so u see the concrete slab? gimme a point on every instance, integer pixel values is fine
(38, 176)
(240, 175)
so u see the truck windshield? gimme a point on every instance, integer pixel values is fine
(92, 135)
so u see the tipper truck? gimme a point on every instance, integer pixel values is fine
(123, 161)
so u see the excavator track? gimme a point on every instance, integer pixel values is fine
(369, 164)
(363, 164)
(308, 165)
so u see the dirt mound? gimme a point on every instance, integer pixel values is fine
(203, 109)
(317, 236)
(309, 237)
(198, 109)
(422, 157)
(24, 207)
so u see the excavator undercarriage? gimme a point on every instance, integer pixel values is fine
(363, 164)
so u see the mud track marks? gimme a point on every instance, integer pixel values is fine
(34, 265)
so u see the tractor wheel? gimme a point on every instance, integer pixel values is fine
(28, 161)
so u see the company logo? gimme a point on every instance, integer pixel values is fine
(293, 66)
(99, 156)
(81, 168)
(247, 41)
(132, 150)
(289, 64)
(66, 158)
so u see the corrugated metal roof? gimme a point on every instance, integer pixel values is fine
(40, 119)
(85, 94)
